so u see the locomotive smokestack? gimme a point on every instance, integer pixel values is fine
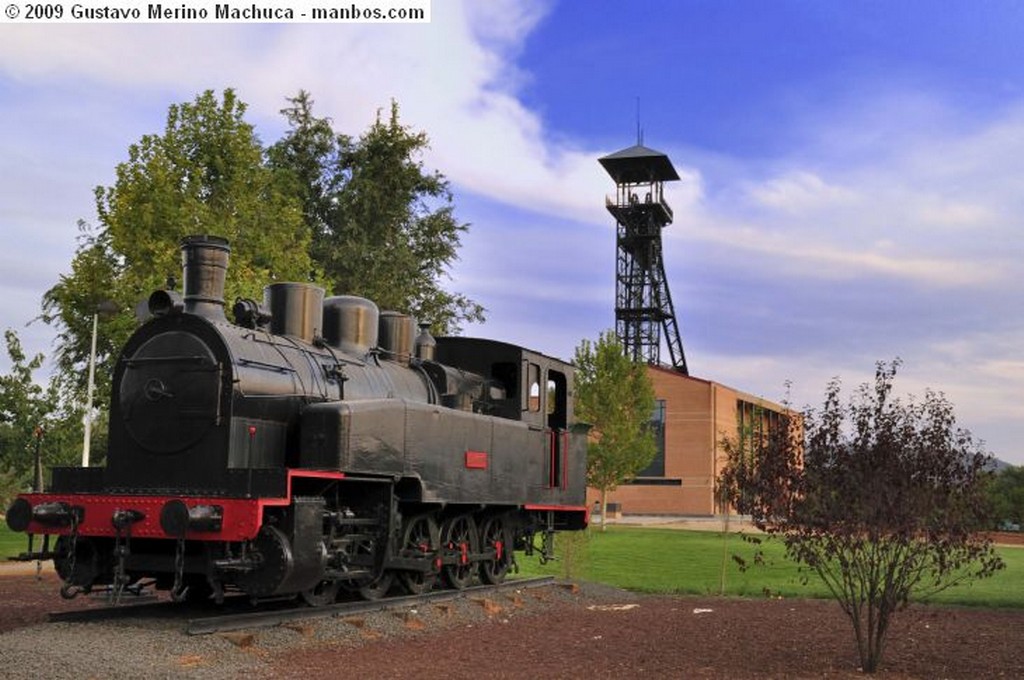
(205, 263)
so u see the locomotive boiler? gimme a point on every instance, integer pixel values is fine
(308, 446)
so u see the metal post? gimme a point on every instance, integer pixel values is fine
(37, 484)
(88, 399)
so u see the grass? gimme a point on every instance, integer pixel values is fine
(690, 562)
(10, 543)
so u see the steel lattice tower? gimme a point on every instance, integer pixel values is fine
(643, 305)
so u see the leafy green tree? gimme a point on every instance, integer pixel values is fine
(359, 216)
(204, 174)
(613, 394)
(70, 305)
(383, 227)
(881, 499)
(1006, 491)
(310, 153)
(30, 418)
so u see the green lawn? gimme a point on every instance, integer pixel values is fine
(673, 561)
(10, 543)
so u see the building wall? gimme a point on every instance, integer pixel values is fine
(698, 415)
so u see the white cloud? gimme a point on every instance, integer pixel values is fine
(806, 255)
(799, 192)
(453, 78)
(935, 211)
(940, 212)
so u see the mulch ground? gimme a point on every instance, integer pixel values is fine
(599, 632)
(689, 637)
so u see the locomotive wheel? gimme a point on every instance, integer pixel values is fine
(379, 588)
(86, 563)
(275, 563)
(459, 538)
(421, 537)
(494, 536)
(321, 594)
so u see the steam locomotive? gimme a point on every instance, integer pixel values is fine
(311, 446)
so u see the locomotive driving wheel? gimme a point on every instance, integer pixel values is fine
(494, 535)
(377, 588)
(322, 594)
(274, 563)
(459, 539)
(369, 587)
(421, 538)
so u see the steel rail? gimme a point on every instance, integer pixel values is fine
(264, 619)
(142, 608)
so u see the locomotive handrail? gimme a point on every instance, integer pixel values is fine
(171, 359)
(266, 365)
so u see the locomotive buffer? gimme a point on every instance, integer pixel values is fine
(643, 304)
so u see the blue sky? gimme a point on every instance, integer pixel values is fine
(852, 172)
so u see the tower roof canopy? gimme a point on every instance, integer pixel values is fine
(639, 164)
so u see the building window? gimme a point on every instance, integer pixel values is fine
(657, 425)
(656, 481)
(756, 423)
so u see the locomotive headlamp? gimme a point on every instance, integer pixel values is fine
(250, 314)
(164, 302)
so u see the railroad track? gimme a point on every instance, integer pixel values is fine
(274, 613)
(264, 619)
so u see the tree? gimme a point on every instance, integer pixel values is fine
(1006, 491)
(205, 174)
(614, 394)
(310, 154)
(882, 499)
(70, 304)
(29, 417)
(356, 216)
(383, 227)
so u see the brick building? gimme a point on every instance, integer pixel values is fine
(692, 417)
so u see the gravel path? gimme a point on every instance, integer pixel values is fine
(156, 646)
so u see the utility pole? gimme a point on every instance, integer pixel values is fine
(105, 309)
(91, 386)
(37, 484)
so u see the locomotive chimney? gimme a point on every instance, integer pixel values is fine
(205, 263)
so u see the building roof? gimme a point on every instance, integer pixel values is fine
(639, 164)
(746, 396)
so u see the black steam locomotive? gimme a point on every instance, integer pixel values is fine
(311, 446)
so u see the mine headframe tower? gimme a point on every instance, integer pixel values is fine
(643, 305)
